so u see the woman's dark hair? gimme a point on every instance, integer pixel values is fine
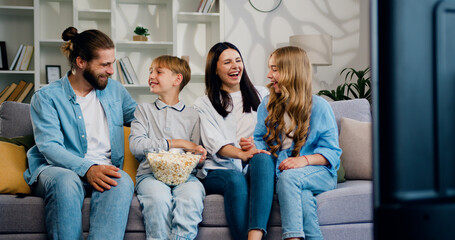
(220, 99)
(84, 45)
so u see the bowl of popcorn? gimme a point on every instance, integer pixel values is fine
(172, 167)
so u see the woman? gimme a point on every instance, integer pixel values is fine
(227, 113)
(300, 131)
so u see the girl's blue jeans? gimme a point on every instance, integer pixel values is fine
(64, 191)
(296, 190)
(170, 212)
(246, 207)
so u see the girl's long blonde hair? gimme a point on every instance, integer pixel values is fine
(295, 99)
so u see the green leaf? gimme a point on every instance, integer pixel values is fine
(360, 88)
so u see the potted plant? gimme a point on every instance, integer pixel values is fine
(361, 88)
(141, 34)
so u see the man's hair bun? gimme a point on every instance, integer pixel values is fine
(69, 34)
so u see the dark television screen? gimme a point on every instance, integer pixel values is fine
(413, 72)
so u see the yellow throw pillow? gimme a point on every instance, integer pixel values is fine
(13, 163)
(130, 163)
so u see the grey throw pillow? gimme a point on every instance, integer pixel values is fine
(356, 143)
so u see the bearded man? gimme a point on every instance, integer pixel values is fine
(78, 128)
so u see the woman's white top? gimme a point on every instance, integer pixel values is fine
(217, 132)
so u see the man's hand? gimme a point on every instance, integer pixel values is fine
(99, 176)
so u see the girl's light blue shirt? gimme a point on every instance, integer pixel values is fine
(322, 138)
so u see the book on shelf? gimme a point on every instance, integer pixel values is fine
(25, 92)
(8, 92)
(4, 90)
(3, 56)
(201, 5)
(21, 57)
(17, 91)
(208, 6)
(211, 6)
(125, 72)
(16, 58)
(121, 76)
(27, 58)
(130, 70)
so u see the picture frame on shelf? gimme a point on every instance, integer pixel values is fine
(53, 73)
(3, 57)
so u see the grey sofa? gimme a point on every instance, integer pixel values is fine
(344, 213)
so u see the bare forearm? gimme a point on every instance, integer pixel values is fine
(317, 159)
(230, 151)
(180, 143)
(303, 161)
(234, 152)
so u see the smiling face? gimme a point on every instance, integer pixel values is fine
(230, 69)
(100, 69)
(162, 80)
(274, 74)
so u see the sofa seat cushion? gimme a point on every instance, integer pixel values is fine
(21, 214)
(350, 202)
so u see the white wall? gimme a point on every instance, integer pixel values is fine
(257, 34)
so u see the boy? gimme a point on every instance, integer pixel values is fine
(170, 212)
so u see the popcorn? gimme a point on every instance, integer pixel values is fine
(173, 167)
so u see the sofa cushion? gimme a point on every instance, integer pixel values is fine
(12, 166)
(350, 202)
(341, 174)
(26, 141)
(356, 142)
(357, 109)
(130, 164)
(23, 214)
(15, 119)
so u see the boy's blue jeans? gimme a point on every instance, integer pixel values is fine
(245, 209)
(64, 191)
(170, 212)
(298, 208)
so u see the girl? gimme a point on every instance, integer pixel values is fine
(300, 131)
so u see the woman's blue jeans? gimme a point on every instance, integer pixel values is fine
(245, 210)
(296, 189)
(64, 191)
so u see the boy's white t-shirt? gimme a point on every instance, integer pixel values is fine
(96, 128)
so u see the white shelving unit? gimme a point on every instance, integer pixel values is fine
(16, 28)
(175, 27)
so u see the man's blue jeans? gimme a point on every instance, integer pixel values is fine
(298, 207)
(245, 211)
(64, 191)
(170, 212)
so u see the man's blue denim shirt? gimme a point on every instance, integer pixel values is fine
(59, 129)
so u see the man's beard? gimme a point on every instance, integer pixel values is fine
(94, 80)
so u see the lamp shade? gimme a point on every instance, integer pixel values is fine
(318, 47)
